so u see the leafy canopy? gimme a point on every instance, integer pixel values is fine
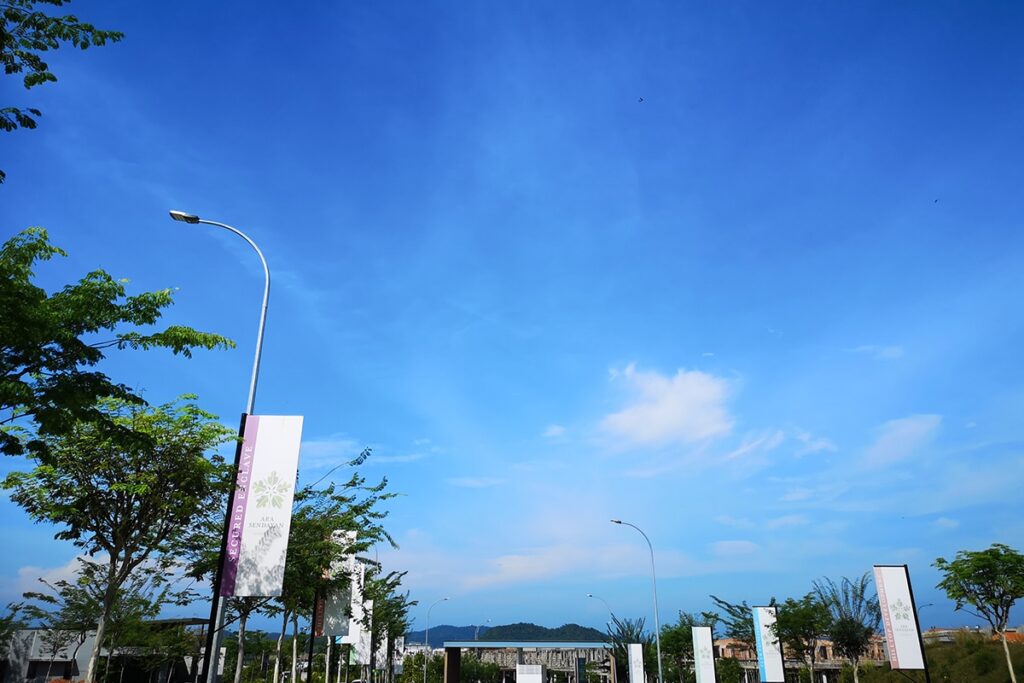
(990, 580)
(26, 32)
(51, 343)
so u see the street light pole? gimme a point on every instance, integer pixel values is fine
(610, 612)
(426, 639)
(654, 580)
(216, 631)
(476, 633)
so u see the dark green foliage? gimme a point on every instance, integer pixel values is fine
(472, 670)
(729, 670)
(800, 625)
(677, 645)
(135, 502)
(27, 31)
(50, 345)
(855, 615)
(622, 632)
(990, 581)
(737, 621)
(412, 669)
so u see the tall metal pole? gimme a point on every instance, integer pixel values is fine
(607, 606)
(216, 633)
(426, 639)
(654, 580)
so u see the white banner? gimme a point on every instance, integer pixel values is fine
(336, 606)
(703, 654)
(261, 514)
(636, 663)
(362, 645)
(769, 652)
(899, 617)
(355, 621)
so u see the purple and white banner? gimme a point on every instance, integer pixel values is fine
(703, 654)
(769, 651)
(899, 617)
(261, 514)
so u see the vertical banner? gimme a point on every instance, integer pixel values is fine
(769, 651)
(337, 603)
(636, 663)
(899, 617)
(356, 611)
(261, 515)
(362, 644)
(703, 654)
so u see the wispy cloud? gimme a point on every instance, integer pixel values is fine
(737, 522)
(685, 408)
(786, 521)
(475, 482)
(554, 431)
(880, 352)
(733, 548)
(946, 523)
(331, 450)
(761, 442)
(813, 444)
(899, 439)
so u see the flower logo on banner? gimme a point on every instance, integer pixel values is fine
(270, 491)
(901, 611)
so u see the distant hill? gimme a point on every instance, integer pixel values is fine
(521, 631)
(524, 631)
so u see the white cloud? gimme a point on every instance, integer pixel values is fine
(554, 431)
(796, 494)
(880, 352)
(28, 577)
(475, 482)
(753, 444)
(685, 408)
(408, 457)
(947, 523)
(786, 521)
(899, 439)
(733, 548)
(813, 444)
(572, 559)
(738, 522)
(317, 453)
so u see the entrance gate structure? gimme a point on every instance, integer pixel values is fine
(559, 657)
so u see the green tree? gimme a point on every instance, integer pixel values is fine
(729, 670)
(312, 551)
(134, 502)
(990, 581)
(855, 616)
(622, 632)
(737, 622)
(51, 343)
(800, 625)
(677, 644)
(389, 618)
(68, 611)
(27, 31)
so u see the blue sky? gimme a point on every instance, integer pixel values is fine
(746, 275)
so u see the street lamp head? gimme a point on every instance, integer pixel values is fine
(616, 521)
(590, 595)
(184, 217)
